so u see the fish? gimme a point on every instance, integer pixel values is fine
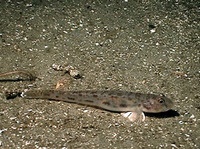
(131, 105)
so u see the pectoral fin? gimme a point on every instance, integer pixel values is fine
(134, 116)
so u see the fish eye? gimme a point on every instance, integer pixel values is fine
(161, 100)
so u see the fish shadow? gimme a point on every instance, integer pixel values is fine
(167, 114)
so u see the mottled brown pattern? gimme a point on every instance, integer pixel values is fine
(95, 95)
(70, 98)
(147, 106)
(138, 95)
(52, 91)
(47, 94)
(130, 99)
(90, 101)
(123, 105)
(106, 103)
(114, 97)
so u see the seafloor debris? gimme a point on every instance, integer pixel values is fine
(24, 76)
(152, 28)
(12, 94)
(180, 73)
(62, 84)
(67, 69)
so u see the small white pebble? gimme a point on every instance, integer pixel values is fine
(1, 131)
(29, 5)
(187, 135)
(85, 111)
(54, 126)
(114, 135)
(30, 110)
(192, 116)
(173, 145)
(83, 135)
(153, 30)
(180, 122)
(12, 118)
(65, 32)
(116, 124)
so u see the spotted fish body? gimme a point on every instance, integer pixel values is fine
(118, 101)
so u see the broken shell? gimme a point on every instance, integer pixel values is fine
(73, 73)
(57, 67)
(68, 69)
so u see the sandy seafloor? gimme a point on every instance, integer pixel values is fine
(111, 44)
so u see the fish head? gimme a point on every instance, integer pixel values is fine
(157, 103)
